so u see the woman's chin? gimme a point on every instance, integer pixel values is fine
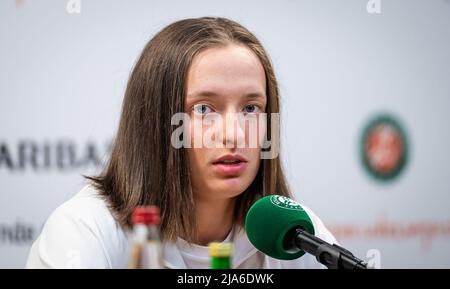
(230, 187)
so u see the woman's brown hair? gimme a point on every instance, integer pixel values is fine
(144, 168)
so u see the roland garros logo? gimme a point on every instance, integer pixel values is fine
(384, 148)
(285, 203)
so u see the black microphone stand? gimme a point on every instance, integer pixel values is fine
(332, 256)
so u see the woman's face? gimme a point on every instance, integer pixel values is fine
(224, 81)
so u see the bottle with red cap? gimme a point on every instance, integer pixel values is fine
(146, 244)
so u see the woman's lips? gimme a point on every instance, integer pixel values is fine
(230, 169)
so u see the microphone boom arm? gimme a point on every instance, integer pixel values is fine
(332, 256)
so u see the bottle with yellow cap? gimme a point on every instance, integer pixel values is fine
(220, 254)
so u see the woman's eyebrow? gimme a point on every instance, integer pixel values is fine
(207, 93)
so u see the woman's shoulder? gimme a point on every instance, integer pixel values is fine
(87, 204)
(320, 230)
(87, 208)
(81, 232)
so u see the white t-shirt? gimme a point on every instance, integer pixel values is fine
(82, 233)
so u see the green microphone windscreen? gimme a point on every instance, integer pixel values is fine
(268, 221)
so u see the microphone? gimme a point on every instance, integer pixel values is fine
(280, 228)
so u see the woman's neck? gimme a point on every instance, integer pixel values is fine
(214, 219)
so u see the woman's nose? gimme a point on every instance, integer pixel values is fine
(233, 130)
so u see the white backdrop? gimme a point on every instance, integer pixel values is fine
(63, 75)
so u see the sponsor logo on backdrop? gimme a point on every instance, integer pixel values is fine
(59, 155)
(384, 148)
(19, 3)
(17, 233)
(424, 231)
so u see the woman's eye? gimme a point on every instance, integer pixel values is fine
(251, 108)
(202, 109)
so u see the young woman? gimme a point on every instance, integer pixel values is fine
(200, 67)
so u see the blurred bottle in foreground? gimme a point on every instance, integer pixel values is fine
(146, 244)
(220, 254)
